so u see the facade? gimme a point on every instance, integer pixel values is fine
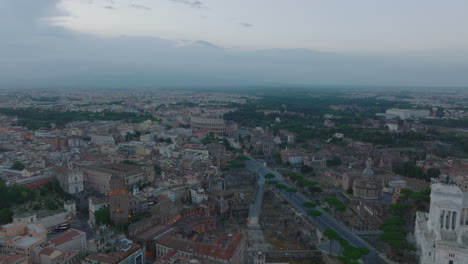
(64, 248)
(71, 180)
(98, 177)
(224, 200)
(55, 256)
(129, 253)
(315, 162)
(197, 194)
(368, 186)
(94, 204)
(118, 200)
(293, 156)
(71, 240)
(442, 234)
(216, 125)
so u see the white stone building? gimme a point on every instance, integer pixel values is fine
(442, 234)
(71, 180)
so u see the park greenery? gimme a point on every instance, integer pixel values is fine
(302, 182)
(314, 213)
(447, 122)
(350, 253)
(34, 119)
(395, 228)
(102, 216)
(269, 176)
(15, 195)
(336, 203)
(17, 165)
(394, 234)
(411, 170)
(303, 113)
(335, 161)
(236, 163)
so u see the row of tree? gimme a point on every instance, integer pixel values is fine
(350, 253)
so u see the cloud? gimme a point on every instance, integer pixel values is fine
(246, 25)
(109, 7)
(141, 7)
(35, 54)
(193, 4)
(206, 44)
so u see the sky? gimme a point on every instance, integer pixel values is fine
(233, 42)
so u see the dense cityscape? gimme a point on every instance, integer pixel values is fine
(252, 175)
(233, 132)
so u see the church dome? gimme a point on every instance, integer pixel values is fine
(368, 171)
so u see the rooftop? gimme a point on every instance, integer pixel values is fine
(65, 237)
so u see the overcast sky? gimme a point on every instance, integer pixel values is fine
(183, 42)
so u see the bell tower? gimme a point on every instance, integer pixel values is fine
(119, 200)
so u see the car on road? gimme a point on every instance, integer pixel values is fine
(62, 227)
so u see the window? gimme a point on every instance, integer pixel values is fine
(450, 262)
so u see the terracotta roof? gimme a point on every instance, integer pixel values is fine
(65, 237)
(11, 258)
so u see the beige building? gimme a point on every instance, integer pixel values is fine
(71, 180)
(98, 177)
(368, 186)
(21, 238)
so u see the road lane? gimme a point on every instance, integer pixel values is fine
(323, 222)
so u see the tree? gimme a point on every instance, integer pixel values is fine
(278, 159)
(51, 204)
(242, 157)
(335, 161)
(291, 190)
(315, 189)
(309, 204)
(17, 165)
(314, 213)
(394, 234)
(399, 209)
(331, 235)
(306, 169)
(129, 162)
(338, 204)
(6, 216)
(227, 145)
(272, 183)
(280, 186)
(102, 216)
(157, 169)
(433, 173)
(269, 176)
